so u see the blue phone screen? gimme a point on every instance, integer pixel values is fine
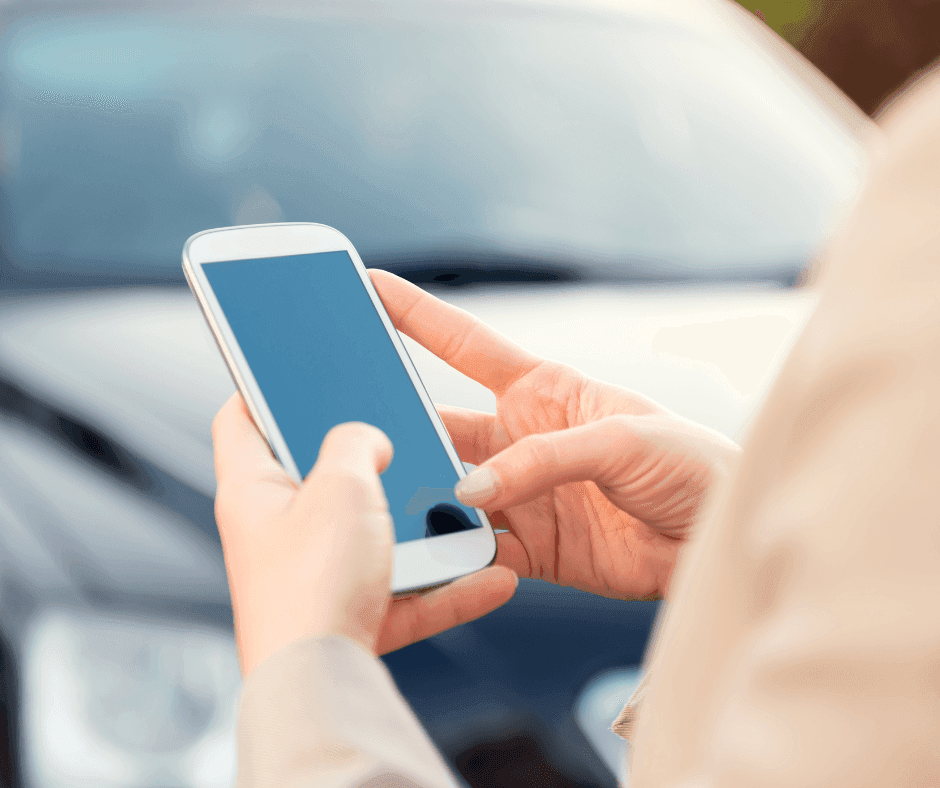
(321, 357)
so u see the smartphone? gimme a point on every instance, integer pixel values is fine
(310, 345)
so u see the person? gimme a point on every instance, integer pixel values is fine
(800, 643)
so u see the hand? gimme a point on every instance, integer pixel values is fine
(596, 485)
(317, 559)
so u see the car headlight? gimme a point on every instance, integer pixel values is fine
(109, 701)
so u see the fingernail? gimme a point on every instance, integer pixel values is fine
(476, 488)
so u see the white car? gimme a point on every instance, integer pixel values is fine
(636, 188)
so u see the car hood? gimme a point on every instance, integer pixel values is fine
(139, 371)
(141, 367)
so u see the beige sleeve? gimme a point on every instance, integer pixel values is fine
(801, 647)
(323, 712)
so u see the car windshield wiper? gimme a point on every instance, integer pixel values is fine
(459, 270)
(440, 269)
(462, 269)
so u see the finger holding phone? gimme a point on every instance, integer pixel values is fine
(315, 559)
(597, 486)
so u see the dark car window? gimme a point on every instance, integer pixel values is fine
(594, 141)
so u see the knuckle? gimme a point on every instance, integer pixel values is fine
(619, 421)
(541, 451)
(457, 342)
(618, 428)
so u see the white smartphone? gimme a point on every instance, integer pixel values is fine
(310, 345)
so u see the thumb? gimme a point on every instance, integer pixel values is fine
(357, 447)
(354, 453)
(535, 464)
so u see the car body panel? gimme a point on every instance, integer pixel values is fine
(143, 364)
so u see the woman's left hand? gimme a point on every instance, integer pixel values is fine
(317, 559)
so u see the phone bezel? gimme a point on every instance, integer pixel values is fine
(420, 563)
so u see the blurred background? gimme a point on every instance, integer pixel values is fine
(640, 188)
(871, 49)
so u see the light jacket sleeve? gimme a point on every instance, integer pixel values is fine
(323, 712)
(801, 645)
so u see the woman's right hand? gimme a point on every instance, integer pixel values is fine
(596, 485)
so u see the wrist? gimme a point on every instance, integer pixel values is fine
(326, 640)
(273, 629)
(261, 634)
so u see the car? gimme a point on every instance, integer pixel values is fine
(637, 189)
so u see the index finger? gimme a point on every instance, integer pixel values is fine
(453, 335)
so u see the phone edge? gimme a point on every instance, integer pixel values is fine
(218, 335)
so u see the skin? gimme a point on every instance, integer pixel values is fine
(597, 487)
(316, 559)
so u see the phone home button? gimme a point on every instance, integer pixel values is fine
(446, 519)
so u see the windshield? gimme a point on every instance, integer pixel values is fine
(583, 142)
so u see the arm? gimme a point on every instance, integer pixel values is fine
(802, 647)
(309, 569)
